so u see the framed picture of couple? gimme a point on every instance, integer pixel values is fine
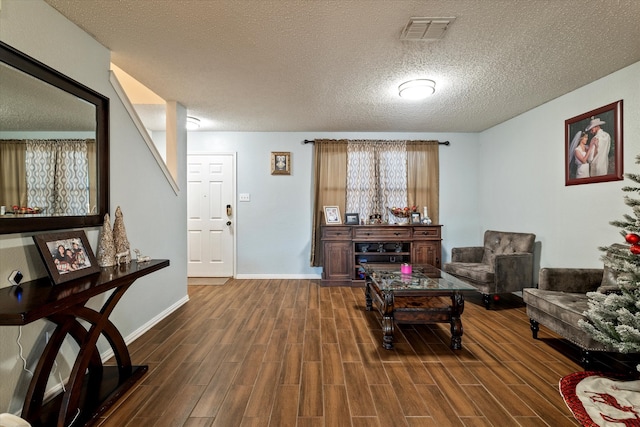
(593, 146)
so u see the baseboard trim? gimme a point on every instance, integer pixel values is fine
(144, 328)
(278, 276)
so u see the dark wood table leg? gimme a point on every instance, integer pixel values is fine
(457, 307)
(71, 398)
(66, 325)
(367, 295)
(387, 320)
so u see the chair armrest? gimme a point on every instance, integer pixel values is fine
(514, 268)
(467, 254)
(578, 280)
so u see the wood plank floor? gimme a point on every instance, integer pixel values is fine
(293, 353)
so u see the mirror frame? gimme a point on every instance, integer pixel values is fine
(35, 68)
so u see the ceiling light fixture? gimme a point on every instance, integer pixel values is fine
(192, 123)
(417, 89)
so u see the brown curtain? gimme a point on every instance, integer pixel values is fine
(13, 173)
(330, 186)
(423, 177)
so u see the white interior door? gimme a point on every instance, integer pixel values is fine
(210, 215)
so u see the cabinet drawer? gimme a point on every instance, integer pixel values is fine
(420, 233)
(336, 232)
(378, 233)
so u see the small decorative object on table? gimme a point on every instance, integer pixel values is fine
(375, 219)
(106, 245)
(425, 217)
(140, 257)
(120, 238)
(402, 214)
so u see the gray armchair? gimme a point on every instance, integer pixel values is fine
(503, 264)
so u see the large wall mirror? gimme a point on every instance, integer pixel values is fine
(54, 148)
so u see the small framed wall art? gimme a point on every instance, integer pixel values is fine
(66, 255)
(332, 215)
(280, 163)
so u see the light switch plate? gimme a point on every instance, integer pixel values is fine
(244, 197)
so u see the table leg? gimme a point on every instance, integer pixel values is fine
(387, 320)
(367, 295)
(66, 325)
(457, 307)
(100, 321)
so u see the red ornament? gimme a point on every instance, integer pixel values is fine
(632, 238)
(635, 249)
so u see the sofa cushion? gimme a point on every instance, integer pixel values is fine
(481, 273)
(560, 312)
(500, 242)
(565, 306)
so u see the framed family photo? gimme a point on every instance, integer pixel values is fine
(280, 163)
(415, 217)
(66, 255)
(352, 218)
(332, 215)
(593, 146)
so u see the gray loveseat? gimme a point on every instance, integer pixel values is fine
(560, 300)
(502, 265)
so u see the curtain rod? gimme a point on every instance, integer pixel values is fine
(311, 141)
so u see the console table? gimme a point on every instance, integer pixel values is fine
(92, 387)
(346, 247)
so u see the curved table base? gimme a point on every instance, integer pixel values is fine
(91, 387)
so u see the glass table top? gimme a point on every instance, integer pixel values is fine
(423, 277)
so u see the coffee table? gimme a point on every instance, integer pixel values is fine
(426, 295)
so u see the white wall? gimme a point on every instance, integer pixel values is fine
(274, 228)
(521, 181)
(154, 216)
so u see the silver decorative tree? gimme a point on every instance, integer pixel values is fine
(120, 237)
(106, 253)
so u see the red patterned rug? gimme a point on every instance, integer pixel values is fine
(597, 400)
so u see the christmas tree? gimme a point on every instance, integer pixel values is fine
(614, 318)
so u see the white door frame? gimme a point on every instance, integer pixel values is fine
(234, 186)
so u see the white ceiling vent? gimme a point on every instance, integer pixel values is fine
(426, 29)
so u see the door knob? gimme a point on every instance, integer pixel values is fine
(228, 222)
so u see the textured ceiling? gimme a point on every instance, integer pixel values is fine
(334, 65)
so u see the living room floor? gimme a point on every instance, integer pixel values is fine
(293, 353)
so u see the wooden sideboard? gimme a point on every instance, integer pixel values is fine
(92, 386)
(344, 247)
